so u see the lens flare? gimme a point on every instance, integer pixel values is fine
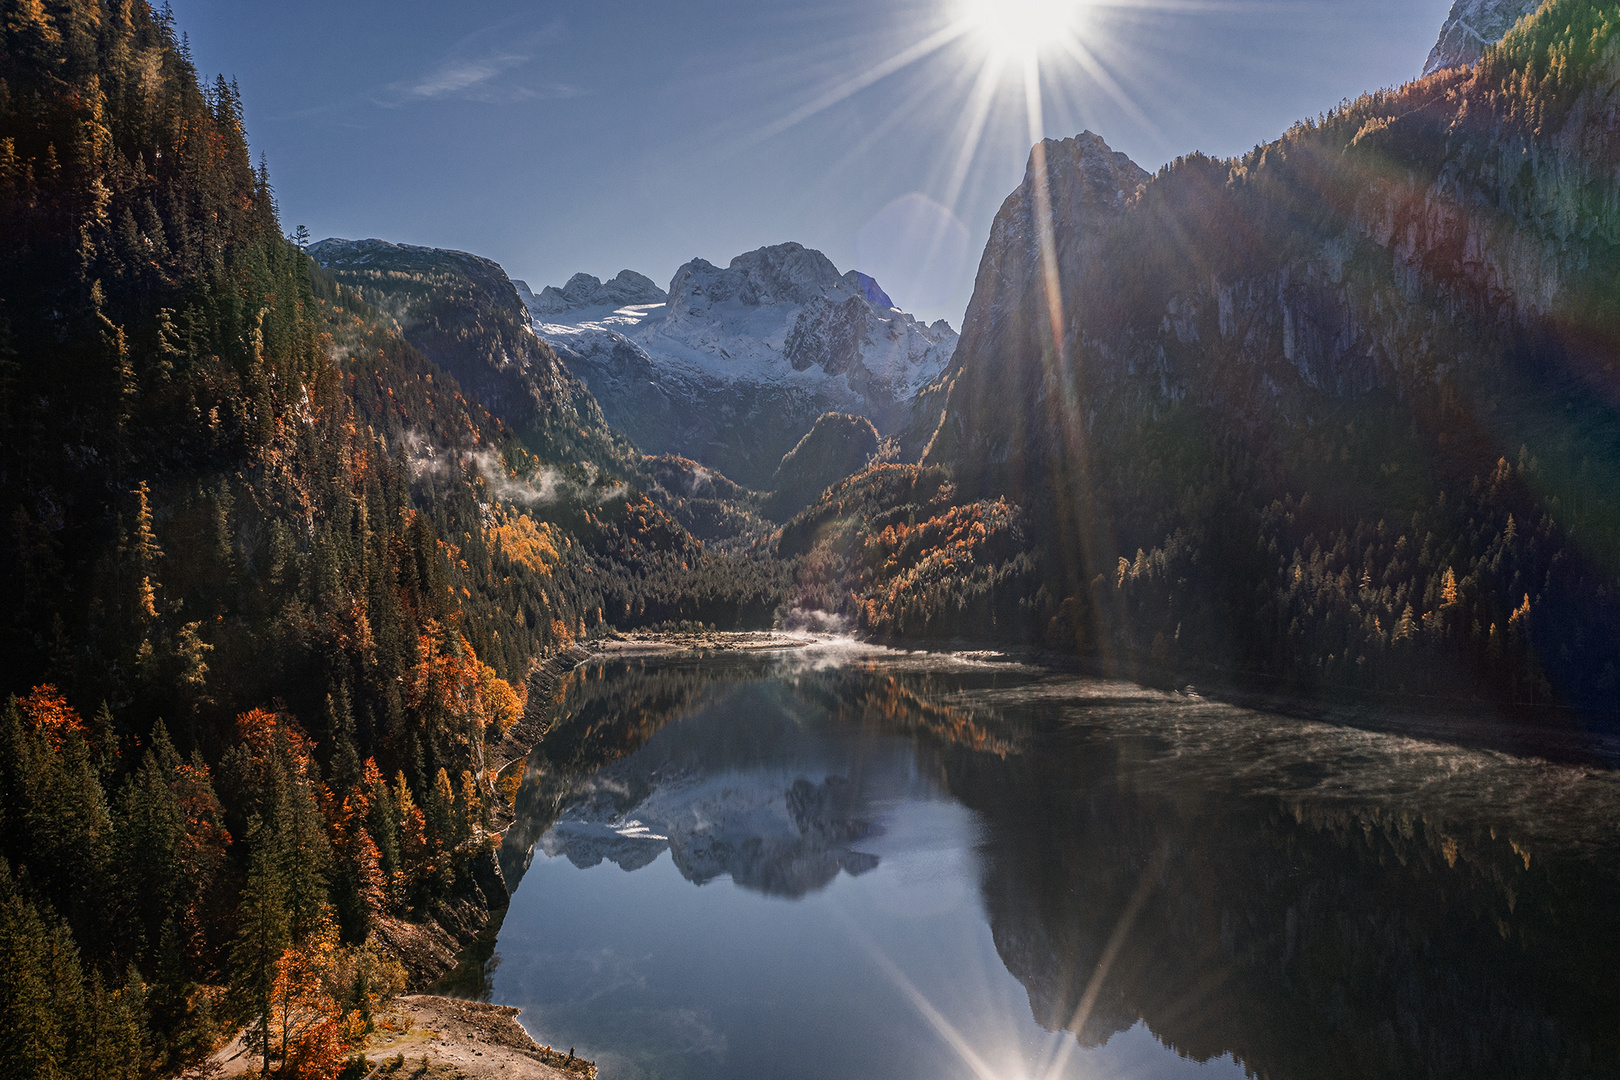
(1020, 28)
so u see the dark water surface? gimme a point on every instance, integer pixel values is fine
(837, 862)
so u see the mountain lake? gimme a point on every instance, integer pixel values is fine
(838, 861)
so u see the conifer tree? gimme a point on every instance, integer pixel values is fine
(265, 933)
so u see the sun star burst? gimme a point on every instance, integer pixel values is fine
(1021, 28)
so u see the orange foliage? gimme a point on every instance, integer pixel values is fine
(305, 1016)
(47, 710)
(258, 728)
(903, 559)
(445, 684)
(502, 702)
(457, 693)
(415, 852)
(530, 544)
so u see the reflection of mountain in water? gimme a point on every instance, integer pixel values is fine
(784, 843)
(757, 782)
(1316, 901)
(1300, 918)
(745, 719)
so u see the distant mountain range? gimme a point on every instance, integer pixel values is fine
(731, 367)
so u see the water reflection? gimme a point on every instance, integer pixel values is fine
(728, 799)
(1305, 900)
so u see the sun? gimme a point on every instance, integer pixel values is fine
(1020, 28)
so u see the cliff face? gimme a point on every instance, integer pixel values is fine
(1471, 28)
(1409, 303)
(1375, 253)
(1003, 362)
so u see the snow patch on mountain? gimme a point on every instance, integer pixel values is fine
(585, 291)
(773, 315)
(776, 338)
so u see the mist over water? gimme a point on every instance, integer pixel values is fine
(837, 861)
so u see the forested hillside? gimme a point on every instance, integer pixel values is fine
(280, 588)
(464, 313)
(1338, 415)
(290, 550)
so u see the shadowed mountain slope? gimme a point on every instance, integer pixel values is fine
(465, 314)
(1342, 411)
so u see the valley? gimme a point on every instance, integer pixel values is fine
(1247, 562)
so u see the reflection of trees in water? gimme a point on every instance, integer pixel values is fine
(890, 702)
(608, 710)
(1308, 943)
(1306, 940)
(604, 711)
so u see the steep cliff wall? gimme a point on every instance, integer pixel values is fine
(1472, 27)
(1378, 351)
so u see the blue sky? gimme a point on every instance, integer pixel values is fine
(556, 136)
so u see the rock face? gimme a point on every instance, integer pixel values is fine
(734, 367)
(1401, 318)
(466, 315)
(1001, 382)
(1434, 243)
(1471, 27)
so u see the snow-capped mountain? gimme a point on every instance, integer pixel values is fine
(784, 841)
(733, 366)
(781, 805)
(586, 291)
(1471, 27)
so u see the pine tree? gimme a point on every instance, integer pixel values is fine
(265, 933)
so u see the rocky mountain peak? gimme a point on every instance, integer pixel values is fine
(739, 363)
(587, 291)
(786, 273)
(995, 373)
(1472, 26)
(1086, 169)
(869, 288)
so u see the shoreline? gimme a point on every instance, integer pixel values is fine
(1556, 733)
(428, 1037)
(1448, 721)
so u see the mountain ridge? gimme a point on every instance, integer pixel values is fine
(1376, 351)
(736, 365)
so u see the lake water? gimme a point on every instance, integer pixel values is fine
(839, 862)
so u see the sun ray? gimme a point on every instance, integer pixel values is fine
(1045, 227)
(936, 1020)
(1105, 962)
(917, 100)
(905, 58)
(1093, 67)
(980, 101)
